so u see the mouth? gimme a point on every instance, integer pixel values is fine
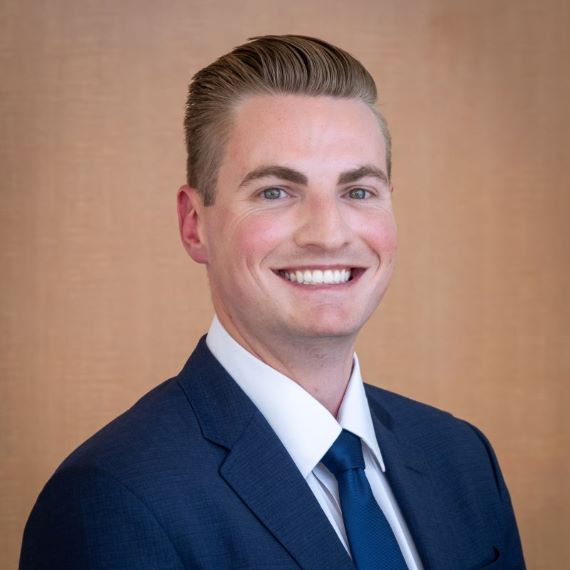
(319, 276)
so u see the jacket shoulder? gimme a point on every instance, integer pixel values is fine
(106, 494)
(148, 428)
(462, 464)
(408, 414)
(451, 441)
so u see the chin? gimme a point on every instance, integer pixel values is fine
(329, 329)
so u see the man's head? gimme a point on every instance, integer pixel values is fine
(270, 65)
(300, 241)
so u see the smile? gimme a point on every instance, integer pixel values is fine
(318, 276)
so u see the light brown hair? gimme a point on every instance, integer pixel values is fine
(265, 65)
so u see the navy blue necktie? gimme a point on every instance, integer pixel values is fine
(372, 542)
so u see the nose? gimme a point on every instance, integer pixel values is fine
(323, 224)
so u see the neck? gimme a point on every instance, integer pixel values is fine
(321, 366)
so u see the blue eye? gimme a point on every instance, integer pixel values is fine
(273, 193)
(359, 194)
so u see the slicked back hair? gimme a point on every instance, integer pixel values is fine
(267, 65)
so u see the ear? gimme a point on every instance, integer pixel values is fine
(190, 222)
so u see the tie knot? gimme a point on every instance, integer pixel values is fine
(345, 453)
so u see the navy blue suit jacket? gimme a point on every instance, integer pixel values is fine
(192, 476)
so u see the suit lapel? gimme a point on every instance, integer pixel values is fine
(262, 473)
(258, 467)
(410, 477)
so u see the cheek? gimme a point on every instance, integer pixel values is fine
(255, 237)
(380, 233)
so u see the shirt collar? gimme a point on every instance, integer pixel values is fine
(354, 413)
(304, 426)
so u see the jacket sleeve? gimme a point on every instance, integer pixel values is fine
(512, 555)
(86, 519)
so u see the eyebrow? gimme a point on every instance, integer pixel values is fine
(282, 172)
(296, 177)
(362, 172)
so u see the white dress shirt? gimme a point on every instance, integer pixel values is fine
(307, 430)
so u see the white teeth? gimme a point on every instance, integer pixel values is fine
(318, 276)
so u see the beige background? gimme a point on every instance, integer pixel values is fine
(100, 303)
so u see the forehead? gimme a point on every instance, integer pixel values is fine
(302, 132)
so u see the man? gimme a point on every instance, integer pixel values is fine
(267, 450)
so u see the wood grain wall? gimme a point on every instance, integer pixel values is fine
(100, 303)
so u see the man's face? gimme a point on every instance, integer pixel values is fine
(301, 241)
